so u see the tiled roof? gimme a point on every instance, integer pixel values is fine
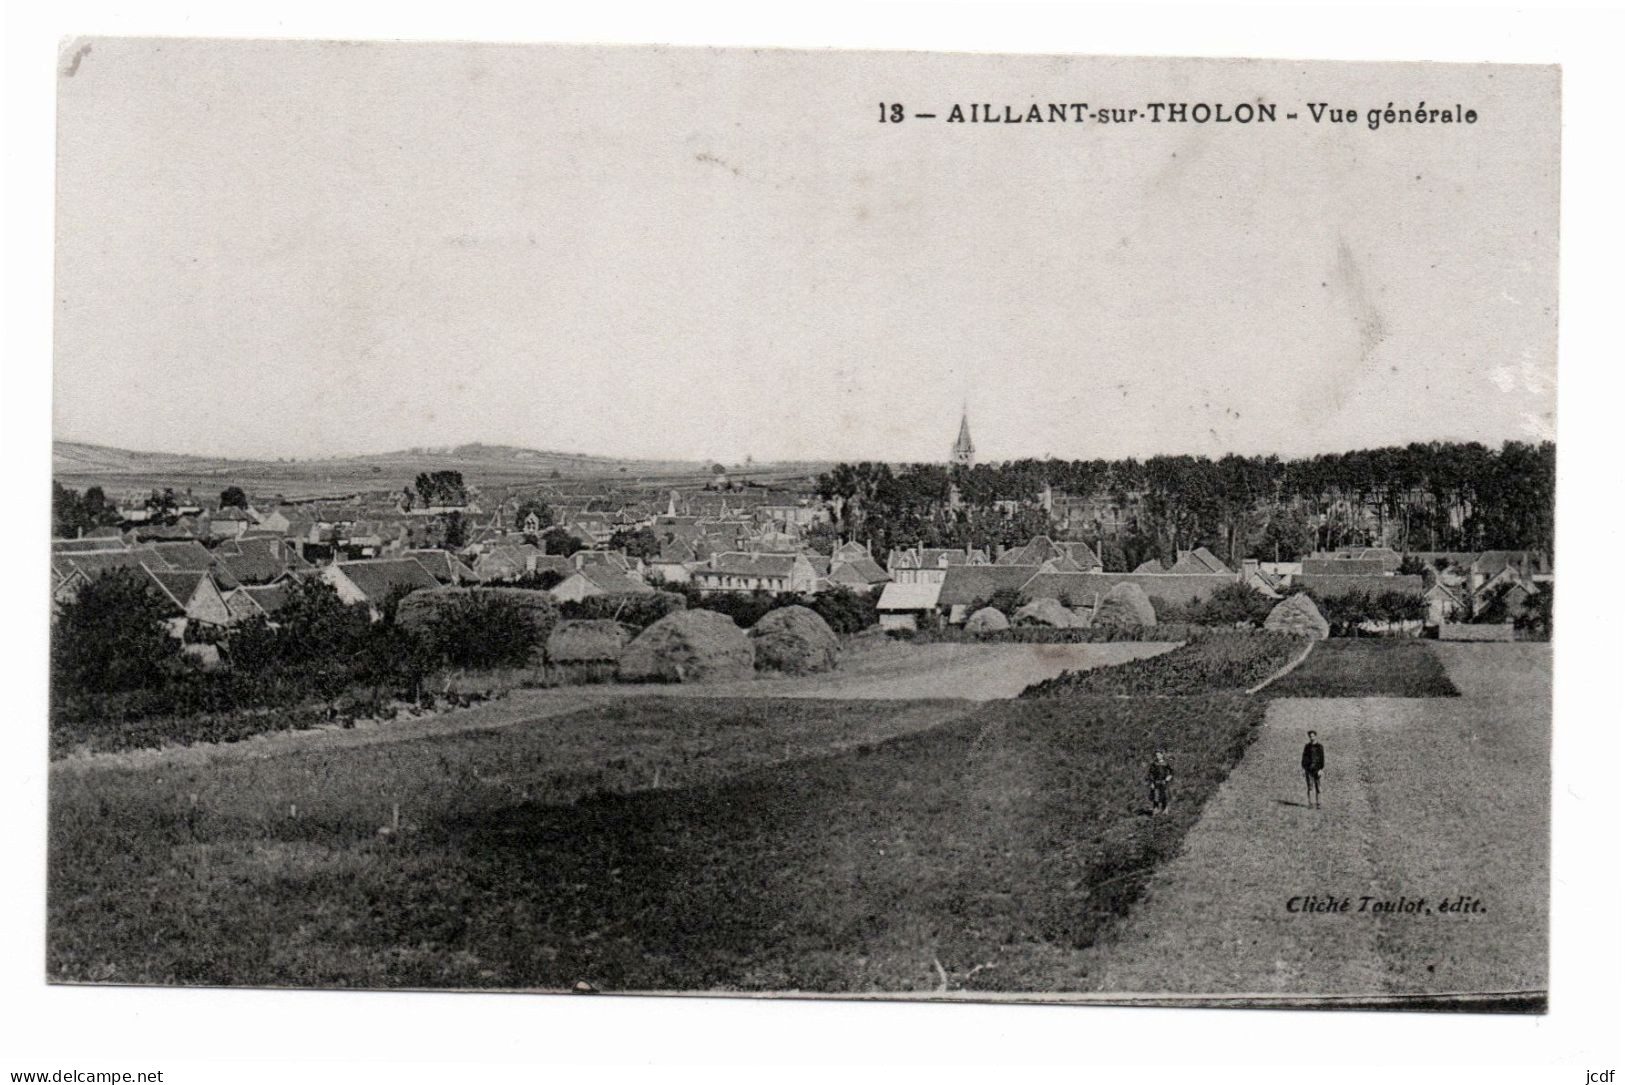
(1078, 589)
(377, 578)
(1340, 585)
(966, 584)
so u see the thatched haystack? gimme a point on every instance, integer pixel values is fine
(1125, 606)
(1050, 612)
(1300, 616)
(593, 640)
(794, 640)
(987, 620)
(689, 646)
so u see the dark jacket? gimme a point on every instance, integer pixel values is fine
(1159, 774)
(1314, 757)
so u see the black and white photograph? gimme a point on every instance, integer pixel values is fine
(646, 520)
(536, 520)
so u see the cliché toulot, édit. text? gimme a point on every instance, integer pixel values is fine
(1333, 904)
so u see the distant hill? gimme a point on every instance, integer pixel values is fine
(80, 459)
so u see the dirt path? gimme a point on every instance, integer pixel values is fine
(1429, 801)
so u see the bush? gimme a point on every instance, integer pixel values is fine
(478, 629)
(745, 608)
(112, 637)
(845, 610)
(1345, 611)
(639, 610)
(1231, 605)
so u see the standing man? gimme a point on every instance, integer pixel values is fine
(1159, 774)
(1314, 763)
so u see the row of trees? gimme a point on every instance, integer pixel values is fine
(1423, 496)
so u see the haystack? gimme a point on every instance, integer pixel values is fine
(1125, 605)
(987, 620)
(586, 641)
(794, 640)
(1046, 611)
(689, 646)
(1300, 616)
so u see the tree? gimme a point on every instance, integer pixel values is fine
(640, 543)
(845, 610)
(112, 637)
(452, 530)
(556, 540)
(441, 488)
(73, 514)
(233, 497)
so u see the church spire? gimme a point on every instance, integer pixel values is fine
(964, 453)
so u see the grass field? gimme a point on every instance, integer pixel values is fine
(1367, 667)
(679, 841)
(788, 845)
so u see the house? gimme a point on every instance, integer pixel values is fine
(909, 605)
(673, 562)
(258, 559)
(443, 565)
(188, 554)
(861, 574)
(276, 521)
(256, 600)
(1325, 585)
(966, 587)
(591, 531)
(88, 544)
(1199, 562)
(610, 559)
(930, 565)
(506, 562)
(230, 522)
(1443, 604)
(373, 582)
(741, 571)
(194, 597)
(1069, 557)
(590, 580)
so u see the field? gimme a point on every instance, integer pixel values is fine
(1368, 667)
(678, 840)
(539, 857)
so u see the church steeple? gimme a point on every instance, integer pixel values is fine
(964, 453)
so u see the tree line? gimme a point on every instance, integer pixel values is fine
(1422, 496)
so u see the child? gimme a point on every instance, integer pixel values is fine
(1314, 763)
(1159, 774)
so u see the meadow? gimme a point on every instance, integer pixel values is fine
(645, 843)
(1367, 667)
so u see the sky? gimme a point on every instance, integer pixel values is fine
(309, 249)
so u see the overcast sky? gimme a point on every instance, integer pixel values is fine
(306, 249)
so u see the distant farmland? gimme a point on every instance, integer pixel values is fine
(80, 465)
